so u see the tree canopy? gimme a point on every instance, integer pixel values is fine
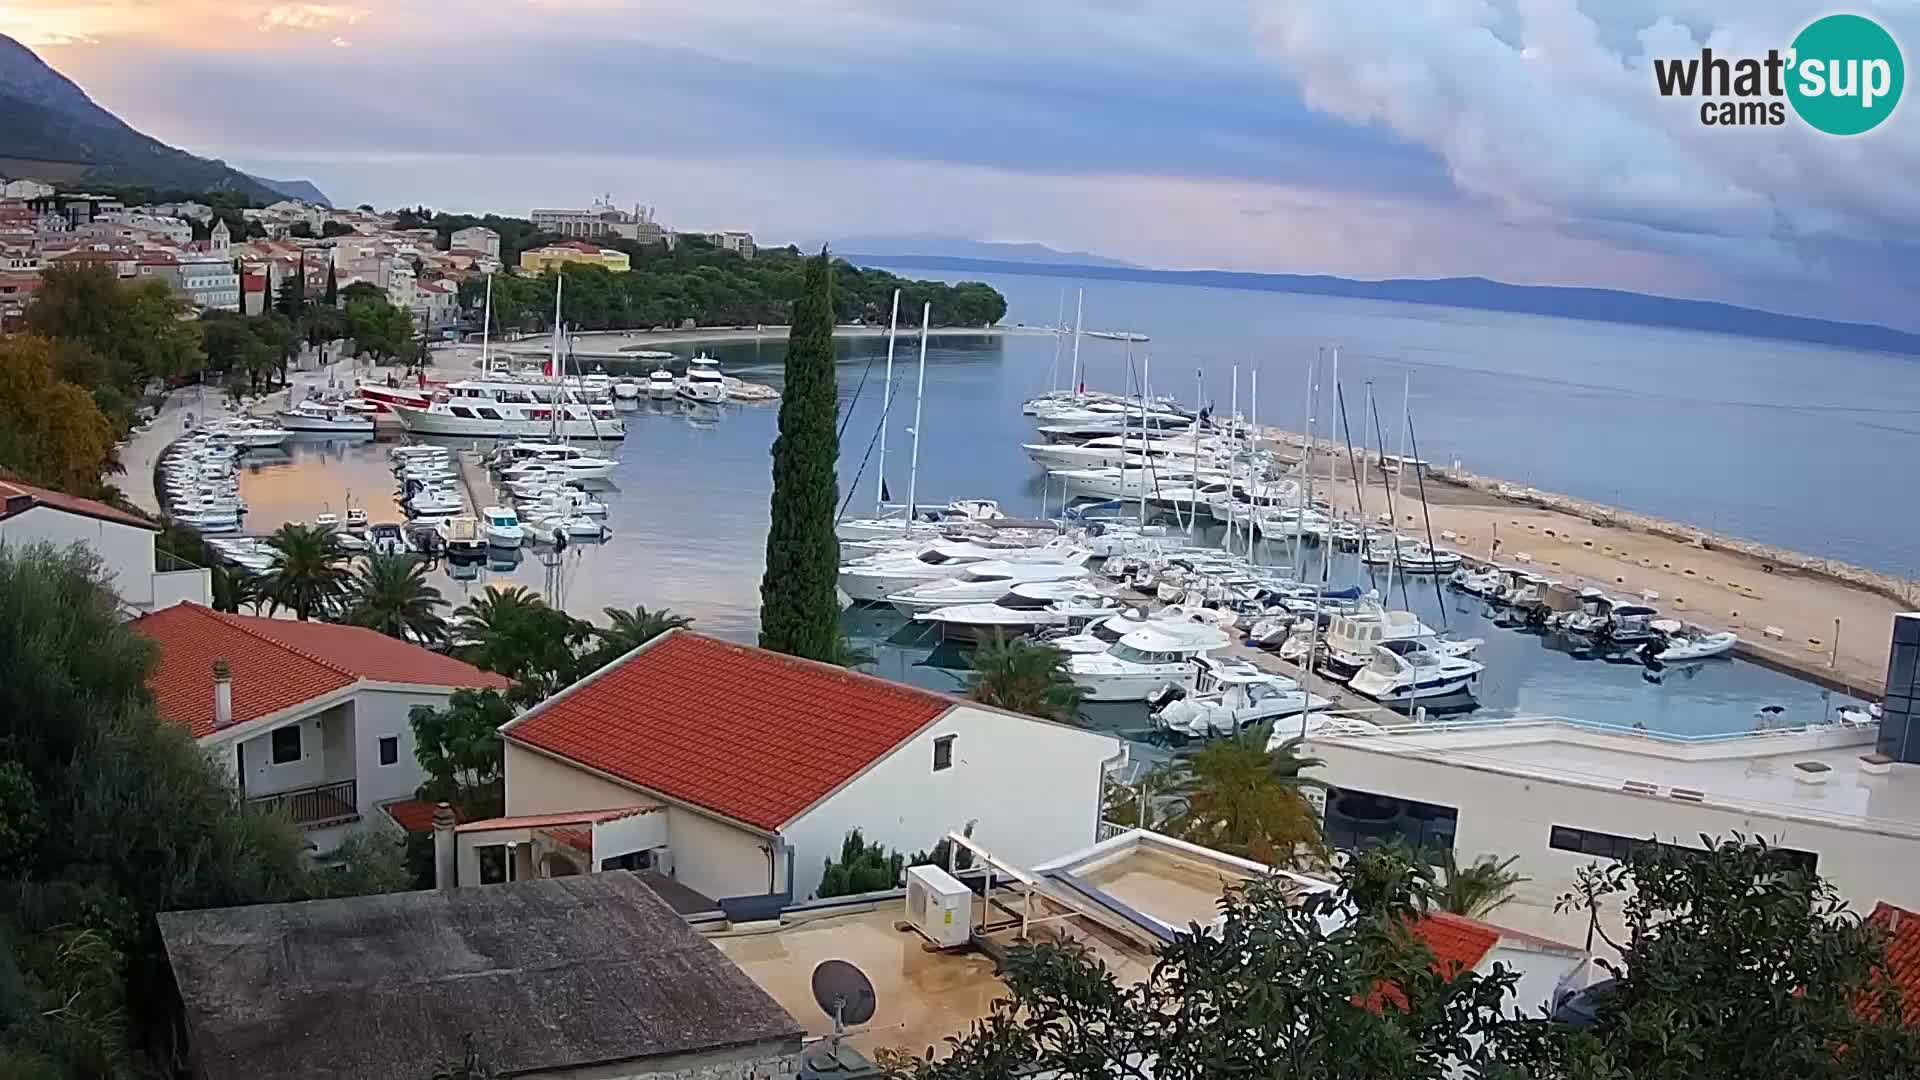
(51, 431)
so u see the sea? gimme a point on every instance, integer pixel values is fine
(1786, 443)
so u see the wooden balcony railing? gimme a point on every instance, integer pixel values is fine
(315, 807)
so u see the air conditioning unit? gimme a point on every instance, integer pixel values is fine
(939, 907)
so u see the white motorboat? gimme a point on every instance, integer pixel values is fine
(1352, 636)
(1098, 636)
(1405, 671)
(249, 433)
(435, 503)
(575, 463)
(1680, 642)
(1320, 724)
(1146, 661)
(661, 385)
(874, 580)
(328, 520)
(1025, 610)
(1478, 580)
(704, 382)
(1621, 622)
(1165, 450)
(387, 539)
(462, 534)
(325, 417)
(567, 527)
(929, 522)
(1414, 556)
(356, 519)
(502, 527)
(1229, 695)
(981, 582)
(1521, 589)
(350, 541)
(626, 390)
(501, 408)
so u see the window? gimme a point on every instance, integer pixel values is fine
(389, 749)
(943, 752)
(286, 744)
(633, 860)
(1357, 820)
(1610, 846)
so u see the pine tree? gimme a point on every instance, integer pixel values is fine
(292, 301)
(799, 596)
(333, 287)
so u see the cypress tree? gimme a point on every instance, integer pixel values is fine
(799, 596)
(333, 287)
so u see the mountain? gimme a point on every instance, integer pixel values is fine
(1596, 305)
(953, 247)
(54, 132)
(304, 190)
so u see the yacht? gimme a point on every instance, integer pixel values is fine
(1099, 635)
(1112, 451)
(661, 385)
(1130, 484)
(704, 382)
(502, 527)
(1147, 660)
(325, 417)
(932, 522)
(1229, 695)
(387, 539)
(625, 389)
(560, 528)
(1024, 610)
(570, 461)
(981, 582)
(1405, 671)
(435, 502)
(874, 580)
(252, 434)
(497, 408)
(1352, 636)
(356, 519)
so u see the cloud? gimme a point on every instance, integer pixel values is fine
(309, 17)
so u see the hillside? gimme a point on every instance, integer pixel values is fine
(304, 190)
(1597, 305)
(50, 120)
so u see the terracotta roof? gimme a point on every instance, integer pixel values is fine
(18, 498)
(1902, 928)
(1458, 944)
(749, 734)
(578, 839)
(279, 663)
(414, 815)
(543, 821)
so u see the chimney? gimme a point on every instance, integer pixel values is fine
(445, 859)
(222, 694)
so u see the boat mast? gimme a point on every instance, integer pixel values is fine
(559, 382)
(1233, 454)
(1193, 499)
(886, 408)
(1059, 332)
(919, 396)
(1079, 308)
(1305, 489)
(1253, 444)
(1399, 476)
(1146, 370)
(1326, 545)
(486, 322)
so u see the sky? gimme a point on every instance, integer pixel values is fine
(1520, 140)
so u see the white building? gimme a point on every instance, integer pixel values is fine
(740, 243)
(603, 219)
(477, 238)
(143, 580)
(134, 225)
(312, 718)
(739, 772)
(25, 189)
(209, 281)
(1563, 796)
(436, 303)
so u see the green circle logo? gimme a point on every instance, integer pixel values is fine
(1846, 74)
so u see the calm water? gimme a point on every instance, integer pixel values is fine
(1617, 413)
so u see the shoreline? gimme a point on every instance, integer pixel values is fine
(644, 339)
(1821, 620)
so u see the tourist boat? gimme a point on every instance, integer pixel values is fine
(1680, 642)
(704, 382)
(387, 539)
(1147, 660)
(324, 417)
(981, 582)
(661, 385)
(1228, 695)
(1405, 671)
(874, 580)
(502, 527)
(1352, 637)
(385, 398)
(494, 408)
(1025, 610)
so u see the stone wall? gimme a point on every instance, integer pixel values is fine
(761, 1061)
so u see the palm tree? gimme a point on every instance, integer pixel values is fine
(490, 617)
(237, 587)
(1240, 797)
(1024, 677)
(513, 632)
(309, 575)
(628, 630)
(1478, 889)
(391, 594)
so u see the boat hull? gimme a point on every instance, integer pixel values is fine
(424, 422)
(355, 425)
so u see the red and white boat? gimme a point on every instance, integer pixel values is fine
(383, 397)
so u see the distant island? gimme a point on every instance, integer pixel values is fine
(1597, 305)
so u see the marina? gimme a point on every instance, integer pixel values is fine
(693, 543)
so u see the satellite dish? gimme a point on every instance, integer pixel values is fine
(844, 993)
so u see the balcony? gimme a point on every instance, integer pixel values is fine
(315, 807)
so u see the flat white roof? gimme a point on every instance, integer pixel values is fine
(1754, 773)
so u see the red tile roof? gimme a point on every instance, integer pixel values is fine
(1458, 944)
(1902, 928)
(749, 734)
(279, 663)
(18, 498)
(544, 821)
(414, 815)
